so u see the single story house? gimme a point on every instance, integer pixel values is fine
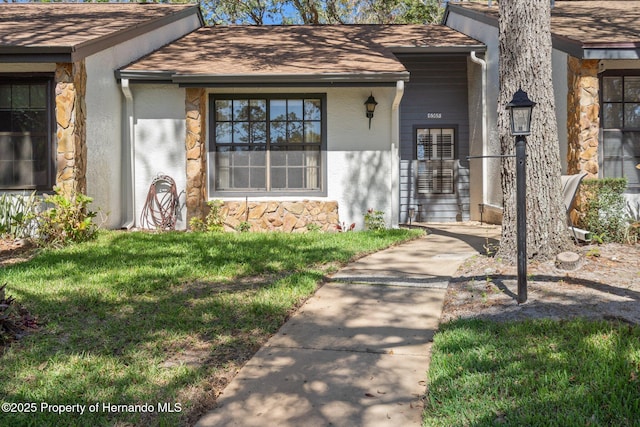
(276, 122)
(272, 120)
(596, 79)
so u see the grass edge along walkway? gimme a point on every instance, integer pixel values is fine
(146, 328)
(537, 373)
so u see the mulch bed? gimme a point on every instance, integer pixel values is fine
(606, 285)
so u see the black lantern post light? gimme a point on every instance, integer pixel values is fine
(370, 104)
(520, 109)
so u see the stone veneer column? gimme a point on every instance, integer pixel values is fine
(195, 145)
(583, 116)
(71, 134)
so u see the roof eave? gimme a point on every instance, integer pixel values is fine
(325, 79)
(40, 54)
(596, 50)
(439, 49)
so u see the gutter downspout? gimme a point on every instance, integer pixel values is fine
(485, 142)
(129, 141)
(395, 158)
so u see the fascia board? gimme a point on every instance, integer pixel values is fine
(289, 79)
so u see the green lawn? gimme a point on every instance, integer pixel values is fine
(157, 319)
(534, 373)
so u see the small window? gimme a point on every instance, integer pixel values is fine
(25, 134)
(266, 144)
(435, 153)
(620, 147)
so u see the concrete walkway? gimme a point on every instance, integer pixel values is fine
(356, 353)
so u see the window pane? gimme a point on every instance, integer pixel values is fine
(612, 144)
(223, 110)
(240, 109)
(222, 169)
(257, 179)
(630, 171)
(38, 96)
(240, 177)
(612, 116)
(240, 156)
(631, 115)
(5, 121)
(295, 109)
(258, 157)
(20, 96)
(5, 96)
(6, 172)
(278, 132)
(24, 148)
(29, 121)
(312, 132)
(279, 178)
(6, 148)
(632, 89)
(612, 168)
(312, 109)
(278, 109)
(223, 133)
(278, 157)
(241, 133)
(258, 110)
(612, 89)
(631, 144)
(295, 178)
(295, 132)
(23, 172)
(259, 133)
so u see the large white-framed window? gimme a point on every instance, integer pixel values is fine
(26, 152)
(620, 148)
(435, 150)
(267, 144)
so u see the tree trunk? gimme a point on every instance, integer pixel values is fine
(525, 62)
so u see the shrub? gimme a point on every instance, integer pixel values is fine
(68, 220)
(17, 214)
(213, 222)
(605, 213)
(374, 220)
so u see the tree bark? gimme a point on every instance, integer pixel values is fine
(525, 62)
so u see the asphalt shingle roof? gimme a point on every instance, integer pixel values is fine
(40, 26)
(599, 23)
(298, 50)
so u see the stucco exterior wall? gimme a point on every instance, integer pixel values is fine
(160, 131)
(359, 161)
(104, 104)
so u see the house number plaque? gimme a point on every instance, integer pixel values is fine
(434, 115)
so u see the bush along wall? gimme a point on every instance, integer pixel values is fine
(604, 210)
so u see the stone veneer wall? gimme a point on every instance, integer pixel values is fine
(196, 152)
(583, 123)
(583, 116)
(71, 135)
(281, 216)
